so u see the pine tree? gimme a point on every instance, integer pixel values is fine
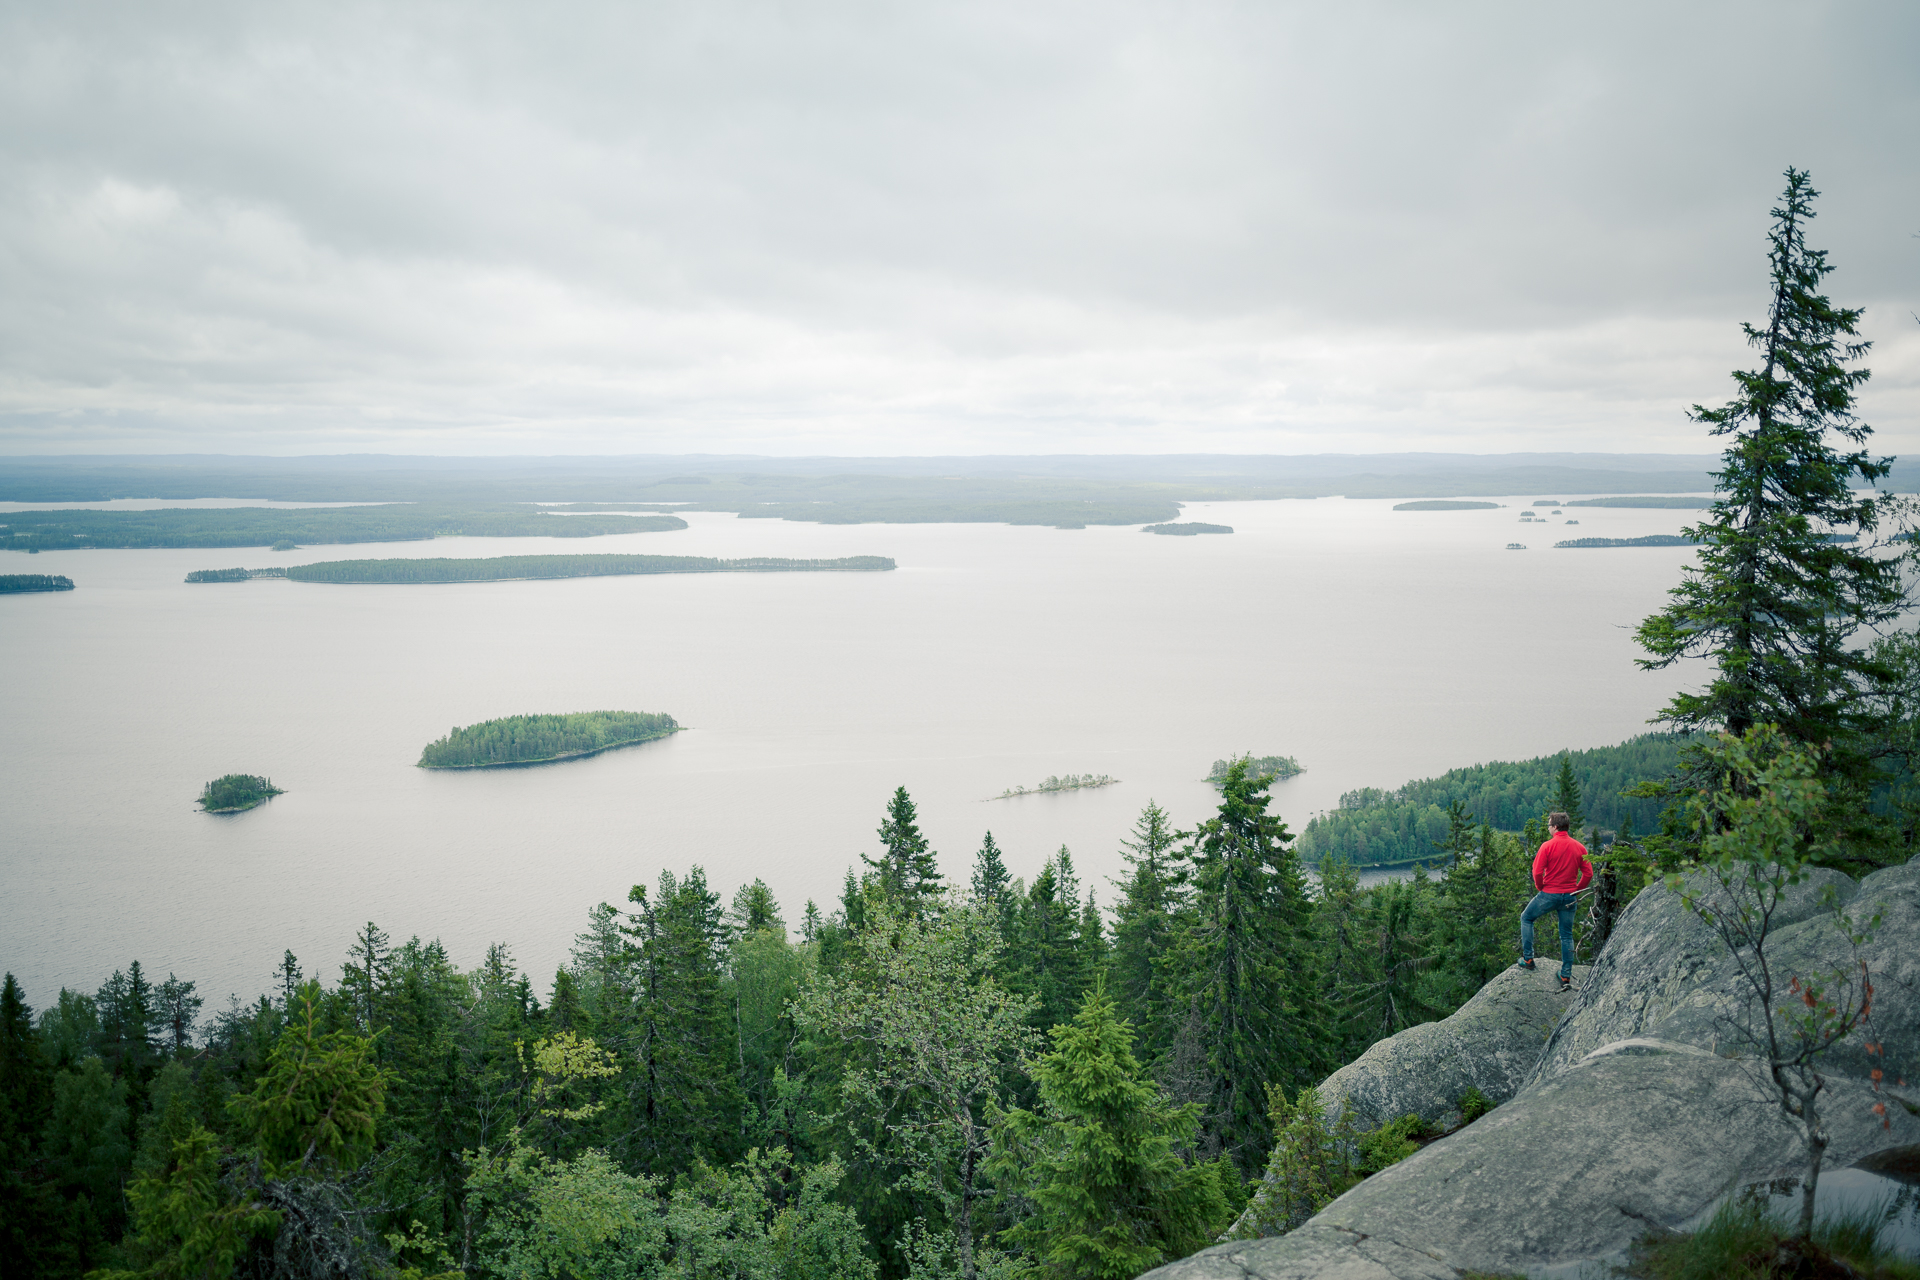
(290, 977)
(1100, 1159)
(179, 1008)
(991, 883)
(909, 871)
(1774, 601)
(365, 972)
(1151, 894)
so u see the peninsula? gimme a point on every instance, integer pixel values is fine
(512, 568)
(237, 792)
(518, 740)
(1435, 504)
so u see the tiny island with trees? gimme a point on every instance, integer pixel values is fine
(1277, 767)
(1070, 782)
(238, 792)
(522, 740)
(17, 582)
(1187, 529)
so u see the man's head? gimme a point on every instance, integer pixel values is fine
(1559, 821)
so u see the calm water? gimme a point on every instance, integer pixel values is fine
(1376, 646)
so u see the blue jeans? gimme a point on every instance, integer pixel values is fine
(1541, 904)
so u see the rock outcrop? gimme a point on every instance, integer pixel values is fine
(1637, 1113)
(1491, 1043)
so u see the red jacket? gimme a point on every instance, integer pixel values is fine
(1561, 866)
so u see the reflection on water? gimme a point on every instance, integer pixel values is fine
(1375, 646)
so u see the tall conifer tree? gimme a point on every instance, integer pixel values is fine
(1776, 600)
(1151, 894)
(909, 870)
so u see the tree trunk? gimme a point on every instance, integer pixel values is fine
(1816, 1151)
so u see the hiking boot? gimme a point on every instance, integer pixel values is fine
(1566, 983)
(1524, 964)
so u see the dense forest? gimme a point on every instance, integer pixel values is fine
(895, 1086)
(1373, 827)
(1187, 529)
(513, 568)
(34, 582)
(1445, 506)
(237, 791)
(531, 739)
(269, 526)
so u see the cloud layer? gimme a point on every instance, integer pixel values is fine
(983, 227)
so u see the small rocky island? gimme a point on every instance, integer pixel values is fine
(1071, 782)
(237, 792)
(520, 740)
(1277, 767)
(1187, 529)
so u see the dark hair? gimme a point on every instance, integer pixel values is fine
(1559, 821)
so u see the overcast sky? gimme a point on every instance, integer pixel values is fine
(887, 228)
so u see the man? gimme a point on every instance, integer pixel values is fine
(1560, 870)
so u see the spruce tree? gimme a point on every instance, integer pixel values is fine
(1776, 601)
(1152, 893)
(1050, 962)
(29, 1211)
(1100, 1159)
(1566, 795)
(909, 870)
(1246, 963)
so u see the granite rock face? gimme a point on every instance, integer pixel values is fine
(1637, 1113)
(1490, 1043)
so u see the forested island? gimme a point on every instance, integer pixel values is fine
(518, 740)
(236, 792)
(11, 582)
(283, 528)
(514, 568)
(1278, 767)
(1435, 505)
(1071, 782)
(1187, 528)
(1651, 540)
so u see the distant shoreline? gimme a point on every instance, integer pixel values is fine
(565, 755)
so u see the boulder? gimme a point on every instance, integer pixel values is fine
(1640, 1113)
(1490, 1043)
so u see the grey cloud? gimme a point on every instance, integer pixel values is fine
(940, 228)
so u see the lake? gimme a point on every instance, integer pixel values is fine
(1376, 646)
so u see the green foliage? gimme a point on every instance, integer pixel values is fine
(1755, 836)
(515, 568)
(1152, 894)
(188, 1226)
(1070, 782)
(236, 791)
(1650, 540)
(1386, 828)
(1474, 1104)
(544, 1219)
(12, 582)
(1388, 1145)
(1246, 964)
(219, 575)
(263, 526)
(1100, 1161)
(533, 739)
(1187, 529)
(908, 869)
(1671, 502)
(1308, 1167)
(319, 1097)
(1442, 505)
(1775, 600)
